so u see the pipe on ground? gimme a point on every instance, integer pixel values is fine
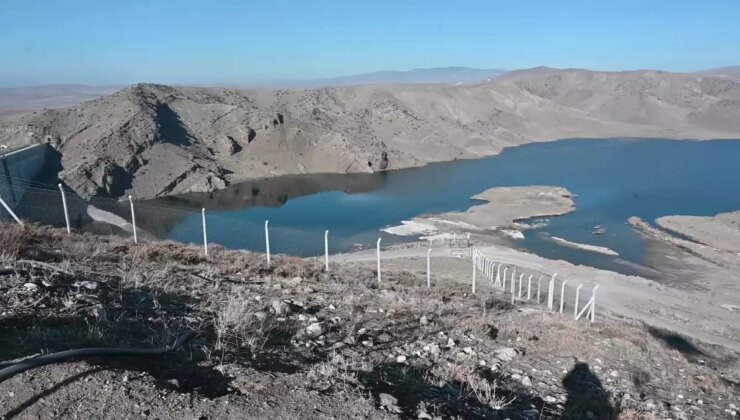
(35, 362)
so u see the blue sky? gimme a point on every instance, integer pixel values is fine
(231, 42)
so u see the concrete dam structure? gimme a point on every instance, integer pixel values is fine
(23, 167)
(28, 184)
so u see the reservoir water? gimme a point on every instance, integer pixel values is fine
(613, 179)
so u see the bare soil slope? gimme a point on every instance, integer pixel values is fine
(288, 341)
(158, 140)
(721, 231)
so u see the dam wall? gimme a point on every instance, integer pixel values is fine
(21, 168)
(28, 184)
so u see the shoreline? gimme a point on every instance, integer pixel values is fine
(586, 247)
(502, 210)
(234, 180)
(721, 231)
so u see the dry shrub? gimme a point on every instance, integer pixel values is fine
(26, 241)
(630, 414)
(472, 383)
(171, 251)
(12, 239)
(294, 266)
(240, 323)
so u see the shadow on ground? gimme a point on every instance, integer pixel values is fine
(587, 398)
(675, 341)
(16, 411)
(418, 390)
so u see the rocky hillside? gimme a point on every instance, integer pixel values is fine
(157, 140)
(288, 341)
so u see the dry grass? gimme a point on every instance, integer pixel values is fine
(152, 291)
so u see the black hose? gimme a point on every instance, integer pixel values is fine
(46, 359)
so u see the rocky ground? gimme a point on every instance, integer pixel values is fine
(289, 341)
(155, 140)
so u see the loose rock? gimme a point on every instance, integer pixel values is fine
(506, 354)
(314, 330)
(280, 307)
(390, 403)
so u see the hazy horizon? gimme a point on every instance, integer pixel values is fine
(311, 82)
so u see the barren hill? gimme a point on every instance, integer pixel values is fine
(157, 140)
(732, 72)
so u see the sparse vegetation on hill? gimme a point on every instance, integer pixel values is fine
(289, 341)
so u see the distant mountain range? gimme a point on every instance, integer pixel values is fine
(449, 75)
(732, 72)
(14, 100)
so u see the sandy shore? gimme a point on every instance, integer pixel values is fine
(585, 247)
(721, 231)
(100, 215)
(503, 208)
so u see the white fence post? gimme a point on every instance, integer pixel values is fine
(513, 281)
(474, 270)
(498, 276)
(133, 218)
(539, 286)
(529, 287)
(326, 250)
(562, 294)
(64, 204)
(378, 247)
(551, 292)
(593, 303)
(590, 306)
(513, 297)
(578, 295)
(267, 241)
(521, 280)
(205, 233)
(429, 268)
(10, 211)
(503, 285)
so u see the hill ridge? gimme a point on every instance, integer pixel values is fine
(154, 140)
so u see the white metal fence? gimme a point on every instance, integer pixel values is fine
(519, 292)
(53, 206)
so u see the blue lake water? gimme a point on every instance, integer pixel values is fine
(612, 178)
